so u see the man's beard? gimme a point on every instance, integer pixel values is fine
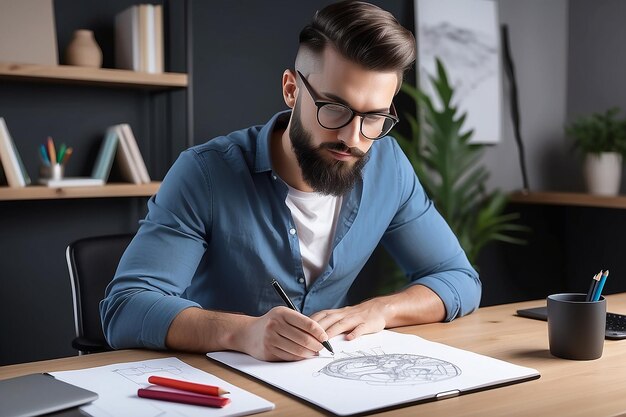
(324, 175)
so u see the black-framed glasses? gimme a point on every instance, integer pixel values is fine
(332, 115)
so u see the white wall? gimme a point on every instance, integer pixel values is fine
(538, 35)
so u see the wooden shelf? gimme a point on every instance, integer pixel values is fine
(67, 74)
(568, 199)
(40, 192)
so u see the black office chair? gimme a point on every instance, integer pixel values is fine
(92, 263)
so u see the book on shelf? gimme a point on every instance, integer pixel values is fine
(158, 39)
(119, 144)
(104, 160)
(127, 39)
(12, 165)
(139, 38)
(140, 165)
(3, 178)
(146, 37)
(124, 158)
(28, 32)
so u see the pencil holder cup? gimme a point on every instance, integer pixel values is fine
(51, 172)
(575, 326)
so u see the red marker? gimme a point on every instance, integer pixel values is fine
(195, 399)
(187, 386)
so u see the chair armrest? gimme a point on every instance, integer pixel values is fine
(89, 345)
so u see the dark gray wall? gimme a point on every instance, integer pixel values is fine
(239, 51)
(538, 33)
(241, 48)
(597, 57)
(571, 60)
(35, 298)
(596, 64)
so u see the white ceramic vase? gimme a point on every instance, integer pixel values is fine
(603, 173)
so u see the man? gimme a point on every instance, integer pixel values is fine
(305, 200)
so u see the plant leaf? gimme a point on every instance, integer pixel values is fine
(448, 166)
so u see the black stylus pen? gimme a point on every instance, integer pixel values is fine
(287, 301)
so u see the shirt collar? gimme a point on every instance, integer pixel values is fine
(263, 161)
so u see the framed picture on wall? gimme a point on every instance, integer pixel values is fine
(464, 35)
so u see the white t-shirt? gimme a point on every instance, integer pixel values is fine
(315, 216)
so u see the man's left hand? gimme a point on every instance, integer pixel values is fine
(355, 321)
(416, 304)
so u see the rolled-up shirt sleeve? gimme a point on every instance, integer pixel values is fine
(426, 249)
(158, 265)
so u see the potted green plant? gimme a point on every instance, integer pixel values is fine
(601, 139)
(449, 168)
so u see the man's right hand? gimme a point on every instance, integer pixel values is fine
(281, 334)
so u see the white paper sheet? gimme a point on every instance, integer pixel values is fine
(117, 387)
(379, 370)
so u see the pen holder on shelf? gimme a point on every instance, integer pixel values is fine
(53, 162)
(51, 172)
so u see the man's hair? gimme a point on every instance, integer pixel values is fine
(362, 33)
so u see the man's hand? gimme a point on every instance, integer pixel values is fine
(415, 305)
(364, 318)
(281, 335)
(286, 335)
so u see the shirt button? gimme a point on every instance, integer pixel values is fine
(301, 280)
(292, 231)
(274, 177)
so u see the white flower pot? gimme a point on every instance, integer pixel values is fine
(603, 173)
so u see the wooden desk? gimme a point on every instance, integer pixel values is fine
(566, 388)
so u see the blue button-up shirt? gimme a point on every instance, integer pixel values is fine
(218, 231)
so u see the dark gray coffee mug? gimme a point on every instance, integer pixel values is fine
(575, 326)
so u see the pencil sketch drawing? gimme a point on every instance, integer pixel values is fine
(137, 374)
(464, 35)
(390, 368)
(472, 53)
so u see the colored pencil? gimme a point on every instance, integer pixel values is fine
(187, 386)
(52, 154)
(66, 155)
(593, 286)
(61, 152)
(44, 155)
(598, 291)
(208, 401)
